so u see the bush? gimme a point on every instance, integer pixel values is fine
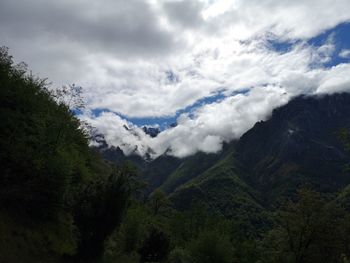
(99, 211)
(155, 247)
(211, 247)
(179, 255)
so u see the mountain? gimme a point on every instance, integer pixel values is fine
(61, 202)
(151, 131)
(298, 144)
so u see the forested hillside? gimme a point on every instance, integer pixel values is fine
(279, 194)
(299, 153)
(58, 198)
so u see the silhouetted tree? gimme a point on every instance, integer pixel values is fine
(99, 211)
(155, 247)
(211, 246)
(308, 230)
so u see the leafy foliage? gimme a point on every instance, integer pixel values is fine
(308, 230)
(99, 210)
(158, 201)
(155, 247)
(210, 247)
(60, 193)
(42, 145)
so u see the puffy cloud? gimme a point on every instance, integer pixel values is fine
(337, 79)
(211, 125)
(270, 78)
(143, 89)
(153, 58)
(114, 27)
(345, 53)
(121, 133)
(184, 13)
(203, 130)
(283, 18)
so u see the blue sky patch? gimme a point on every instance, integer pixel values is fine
(167, 121)
(340, 36)
(341, 41)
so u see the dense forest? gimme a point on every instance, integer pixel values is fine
(61, 201)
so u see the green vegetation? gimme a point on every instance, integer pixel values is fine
(61, 202)
(312, 228)
(189, 169)
(58, 198)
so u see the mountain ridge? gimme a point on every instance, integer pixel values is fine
(298, 144)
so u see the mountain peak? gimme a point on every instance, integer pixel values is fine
(151, 131)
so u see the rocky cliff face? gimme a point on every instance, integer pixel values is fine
(299, 143)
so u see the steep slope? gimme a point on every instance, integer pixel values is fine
(156, 172)
(165, 172)
(191, 167)
(298, 144)
(153, 172)
(223, 191)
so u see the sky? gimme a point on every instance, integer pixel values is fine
(213, 67)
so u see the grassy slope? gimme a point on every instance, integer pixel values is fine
(223, 190)
(189, 169)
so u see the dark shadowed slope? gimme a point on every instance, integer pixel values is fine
(299, 143)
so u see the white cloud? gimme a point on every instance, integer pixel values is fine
(141, 89)
(345, 53)
(215, 123)
(205, 130)
(272, 78)
(119, 132)
(121, 52)
(337, 79)
(284, 18)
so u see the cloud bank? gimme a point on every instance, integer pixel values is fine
(153, 58)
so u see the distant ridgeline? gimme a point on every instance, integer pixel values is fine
(301, 143)
(304, 145)
(281, 193)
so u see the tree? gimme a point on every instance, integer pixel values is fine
(155, 247)
(50, 177)
(180, 255)
(211, 246)
(308, 230)
(133, 230)
(157, 201)
(102, 205)
(38, 161)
